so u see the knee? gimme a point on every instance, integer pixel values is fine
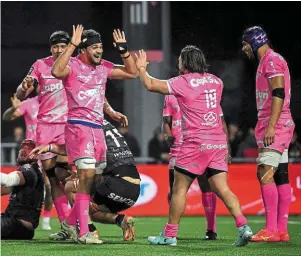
(281, 175)
(178, 190)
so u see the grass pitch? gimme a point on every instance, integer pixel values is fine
(192, 229)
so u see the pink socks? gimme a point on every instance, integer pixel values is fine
(284, 202)
(209, 203)
(171, 230)
(61, 206)
(270, 200)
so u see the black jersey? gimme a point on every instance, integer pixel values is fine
(118, 152)
(26, 201)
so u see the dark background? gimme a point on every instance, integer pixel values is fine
(216, 27)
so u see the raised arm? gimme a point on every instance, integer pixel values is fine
(60, 70)
(129, 69)
(12, 112)
(150, 83)
(26, 87)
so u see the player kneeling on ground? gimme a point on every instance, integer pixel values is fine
(116, 187)
(26, 187)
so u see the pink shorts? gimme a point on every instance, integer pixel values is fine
(283, 134)
(49, 133)
(196, 156)
(83, 141)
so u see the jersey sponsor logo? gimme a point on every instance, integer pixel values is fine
(47, 77)
(82, 95)
(121, 199)
(262, 95)
(176, 123)
(148, 190)
(204, 147)
(210, 119)
(85, 79)
(205, 80)
(52, 87)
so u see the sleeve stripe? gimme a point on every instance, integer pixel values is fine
(169, 88)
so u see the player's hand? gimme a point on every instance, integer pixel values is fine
(170, 140)
(119, 41)
(141, 59)
(120, 118)
(77, 34)
(15, 102)
(27, 83)
(269, 136)
(38, 150)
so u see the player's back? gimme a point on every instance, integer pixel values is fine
(199, 98)
(26, 201)
(52, 96)
(118, 152)
(271, 65)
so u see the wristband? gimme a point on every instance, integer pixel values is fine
(126, 56)
(73, 44)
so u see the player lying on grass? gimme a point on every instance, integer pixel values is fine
(26, 188)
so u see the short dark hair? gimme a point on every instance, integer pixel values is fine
(58, 34)
(90, 33)
(193, 59)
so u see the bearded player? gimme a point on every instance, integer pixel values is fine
(204, 147)
(84, 79)
(173, 137)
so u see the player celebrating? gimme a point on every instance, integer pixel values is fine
(116, 189)
(273, 132)
(52, 115)
(29, 109)
(84, 79)
(173, 136)
(26, 187)
(204, 140)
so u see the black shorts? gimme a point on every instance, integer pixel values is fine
(116, 193)
(13, 229)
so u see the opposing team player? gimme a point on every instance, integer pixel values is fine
(52, 116)
(173, 136)
(204, 139)
(26, 187)
(273, 132)
(84, 79)
(29, 109)
(116, 189)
